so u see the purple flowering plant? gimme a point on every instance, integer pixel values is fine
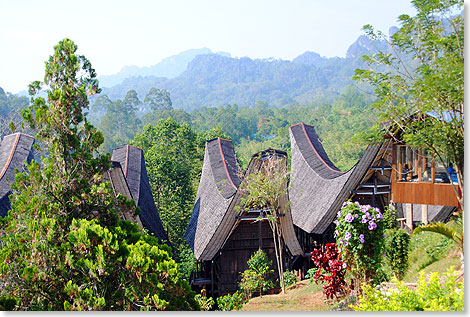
(359, 234)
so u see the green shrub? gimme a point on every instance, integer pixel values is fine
(290, 278)
(233, 301)
(397, 247)
(390, 218)
(254, 278)
(311, 274)
(7, 302)
(430, 295)
(204, 302)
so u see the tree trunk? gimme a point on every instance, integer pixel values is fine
(281, 272)
(277, 251)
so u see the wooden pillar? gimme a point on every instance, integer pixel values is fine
(260, 231)
(212, 278)
(424, 214)
(409, 216)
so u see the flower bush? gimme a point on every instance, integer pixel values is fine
(331, 270)
(360, 236)
(205, 303)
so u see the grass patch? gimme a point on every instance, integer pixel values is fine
(431, 252)
(302, 296)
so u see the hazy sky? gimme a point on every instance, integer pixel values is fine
(113, 34)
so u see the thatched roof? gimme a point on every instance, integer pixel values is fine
(15, 151)
(118, 181)
(318, 188)
(132, 161)
(219, 182)
(215, 214)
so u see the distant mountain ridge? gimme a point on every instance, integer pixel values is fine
(210, 79)
(169, 67)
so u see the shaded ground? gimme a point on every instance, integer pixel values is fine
(303, 296)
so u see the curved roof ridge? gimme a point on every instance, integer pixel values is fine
(213, 198)
(225, 162)
(10, 156)
(225, 168)
(312, 150)
(328, 165)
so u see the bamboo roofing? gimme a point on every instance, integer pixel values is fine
(215, 213)
(132, 161)
(318, 188)
(15, 151)
(220, 178)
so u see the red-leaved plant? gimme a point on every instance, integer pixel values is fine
(331, 270)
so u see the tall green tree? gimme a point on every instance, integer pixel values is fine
(169, 150)
(174, 155)
(429, 88)
(158, 99)
(120, 123)
(62, 244)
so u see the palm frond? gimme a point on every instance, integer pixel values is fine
(439, 228)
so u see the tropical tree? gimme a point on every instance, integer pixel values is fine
(158, 99)
(419, 81)
(62, 244)
(120, 123)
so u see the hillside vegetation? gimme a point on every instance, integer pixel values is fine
(218, 79)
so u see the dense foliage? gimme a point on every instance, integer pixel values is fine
(257, 127)
(174, 154)
(119, 122)
(330, 270)
(435, 293)
(424, 99)
(62, 244)
(255, 278)
(397, 247)
(359, 234)
(230, 302)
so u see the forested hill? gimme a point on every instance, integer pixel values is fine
(218, 79)
(169, 67)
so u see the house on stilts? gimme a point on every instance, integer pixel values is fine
(318, 188)
(223, 233)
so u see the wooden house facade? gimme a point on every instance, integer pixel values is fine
(222, 235)
(318, 188)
